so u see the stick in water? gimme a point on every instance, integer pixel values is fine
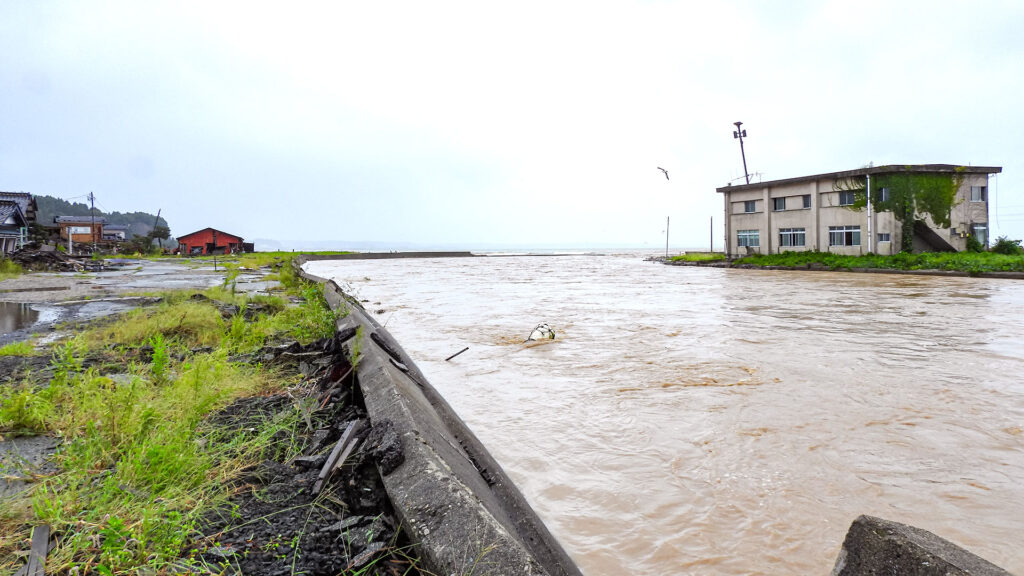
(456, 354)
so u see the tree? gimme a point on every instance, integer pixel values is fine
(144, 244)
(910, 196)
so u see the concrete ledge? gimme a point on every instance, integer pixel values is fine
(876, 546)
(455, 501)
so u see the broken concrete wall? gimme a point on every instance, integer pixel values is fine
(876, 546)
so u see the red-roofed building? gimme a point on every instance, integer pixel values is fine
(209, 241)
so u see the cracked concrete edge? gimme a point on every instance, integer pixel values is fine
(455, 500)
(878, 546)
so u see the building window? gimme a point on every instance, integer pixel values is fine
(807, 200)
(750, 238)
(79, 229)
(778, 204)
(750, 206)
(980, 232)
(978, 193)
(884, 237)
(792, 237)
(846, 198)
(844, 235)
(883, 195)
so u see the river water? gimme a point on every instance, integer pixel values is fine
(708, 421)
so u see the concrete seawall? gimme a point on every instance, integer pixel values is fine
(456, 503)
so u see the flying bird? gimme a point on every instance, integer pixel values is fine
(665, 171)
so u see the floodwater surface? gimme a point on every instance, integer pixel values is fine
(15, 316)
(709, 421)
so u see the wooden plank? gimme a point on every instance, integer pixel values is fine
(343, 445)
(37, 557)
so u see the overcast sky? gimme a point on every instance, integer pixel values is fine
(494, 123)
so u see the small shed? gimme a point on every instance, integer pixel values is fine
(116, 232)
(209, 241)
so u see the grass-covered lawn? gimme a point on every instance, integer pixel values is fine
(138, 466)
(699, 257)
(971, 262)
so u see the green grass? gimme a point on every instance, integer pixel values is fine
(140, 465)
(24, 348)
(9, 269)
(699, 257)
(970, 262)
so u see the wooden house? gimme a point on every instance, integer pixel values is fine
(13, 227)
(82, 229)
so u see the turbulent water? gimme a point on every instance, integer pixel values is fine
(709, 421)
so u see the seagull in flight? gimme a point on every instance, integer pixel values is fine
(665, 171)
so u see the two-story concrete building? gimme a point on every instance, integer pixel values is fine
(816, 213)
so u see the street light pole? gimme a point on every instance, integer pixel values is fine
(740, 133)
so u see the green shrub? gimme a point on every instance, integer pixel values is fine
(1006, 246)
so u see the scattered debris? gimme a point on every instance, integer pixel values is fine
(541, 332)
(456, 354)
(54, 261)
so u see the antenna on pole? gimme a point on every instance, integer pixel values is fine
(741, 133)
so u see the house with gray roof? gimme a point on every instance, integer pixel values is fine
(25, 201)
(13, 227)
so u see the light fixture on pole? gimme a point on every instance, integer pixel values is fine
(741, 133)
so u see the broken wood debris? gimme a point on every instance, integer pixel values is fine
(37, 557)
(342, 450)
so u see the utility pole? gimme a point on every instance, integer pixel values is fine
(712, 237)
(666, 237)
(92, 210)
(871, 248)
(741, 133)
(155, 224)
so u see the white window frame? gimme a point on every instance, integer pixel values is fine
(776, 202)
(807, 201)
(884, 195)
(79, 229)
(884, 237)
(979, 193)
(749, 206)
(751, 238)
(844, 235)
(847, 195)
(792, 237)
(980, 233)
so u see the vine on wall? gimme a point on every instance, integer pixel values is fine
(910, 197)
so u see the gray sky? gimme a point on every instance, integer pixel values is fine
(511, 123)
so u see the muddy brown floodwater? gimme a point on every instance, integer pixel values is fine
(709, 421)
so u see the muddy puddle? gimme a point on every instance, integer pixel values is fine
(15, 316)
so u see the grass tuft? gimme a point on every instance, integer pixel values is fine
(23, 348)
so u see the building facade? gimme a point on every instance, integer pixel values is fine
(13, 228)
(209, 241)
(81, 229)
(818, 213)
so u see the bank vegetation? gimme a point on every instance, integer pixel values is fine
(128, 401)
